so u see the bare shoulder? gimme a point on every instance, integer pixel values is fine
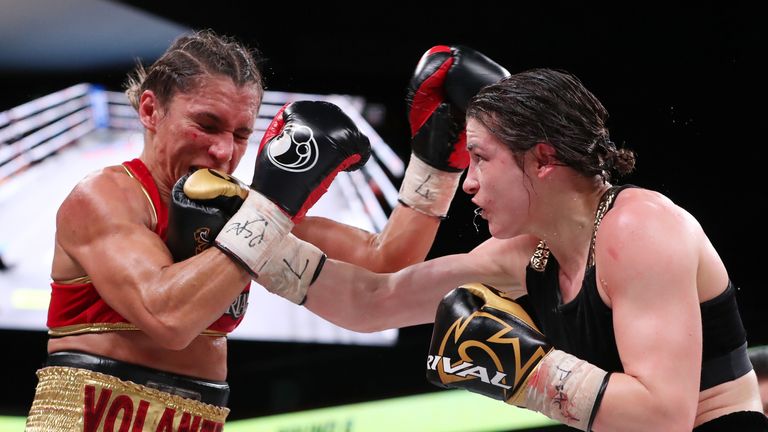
(646, 230)
(645, 211)
(106, 195)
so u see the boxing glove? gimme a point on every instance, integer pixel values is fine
(203, 202)
(470, 72)
(302, 151)
(488, 344)
(444, 81)
(198, 213)
(304, 147)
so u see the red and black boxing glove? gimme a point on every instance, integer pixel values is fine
(304, 148)
(203, 202)
(444, 81)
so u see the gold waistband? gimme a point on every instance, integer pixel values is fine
(71, 399)
(74, 281)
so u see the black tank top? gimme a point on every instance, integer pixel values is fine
(584, 326)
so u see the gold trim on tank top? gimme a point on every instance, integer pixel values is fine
(87, 279)
(541, 254)
(146, 194)
(74, 281)
(602, 209)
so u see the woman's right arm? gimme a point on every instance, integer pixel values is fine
(103, 231)
(360, 300)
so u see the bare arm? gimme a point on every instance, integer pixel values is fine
(405, 240)
(648, 262)
(103, 228)
(360, 300)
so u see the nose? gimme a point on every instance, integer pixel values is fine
(222, 148)
(470, 185)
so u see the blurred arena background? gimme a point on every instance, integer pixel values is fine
(681, 81)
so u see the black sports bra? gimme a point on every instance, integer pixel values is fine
(584, 326)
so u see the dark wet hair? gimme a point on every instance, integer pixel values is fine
(545, 105)
(189, 59)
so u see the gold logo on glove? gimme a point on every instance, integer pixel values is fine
(459, 339)
(202, 239)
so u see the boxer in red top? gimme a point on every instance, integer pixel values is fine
(138, 336)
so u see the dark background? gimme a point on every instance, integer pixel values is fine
(681, 81)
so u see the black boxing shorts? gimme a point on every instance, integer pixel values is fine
(742, 421)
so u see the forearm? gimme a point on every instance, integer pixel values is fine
(405, 240)
(629, 405)
(360, 300)
(577, 393)
(574, 392)
(488, 344)
(345, 295)
(184, 298)
(170, 302)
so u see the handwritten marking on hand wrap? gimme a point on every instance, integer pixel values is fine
(243, 230)
(298, 275)
(560, 398)
(425, 192)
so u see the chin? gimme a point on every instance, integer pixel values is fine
(495, 232)
(499, 232)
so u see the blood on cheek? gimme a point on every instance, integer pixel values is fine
(198, 138)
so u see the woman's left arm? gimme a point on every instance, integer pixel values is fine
(647, 258)
(406, 239)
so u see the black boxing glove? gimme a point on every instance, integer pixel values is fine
(201, 203)
(304, 147)
(486, 343)
(470, 72)
(439, 91)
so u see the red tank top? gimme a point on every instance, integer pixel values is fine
(77, 308)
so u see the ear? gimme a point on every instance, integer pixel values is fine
(545, 158)
(149, 107)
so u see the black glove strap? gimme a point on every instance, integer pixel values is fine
(598, 399)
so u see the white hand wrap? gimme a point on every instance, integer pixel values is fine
(252, 235)
(427, 189)
(293, 267)
(565, 388)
